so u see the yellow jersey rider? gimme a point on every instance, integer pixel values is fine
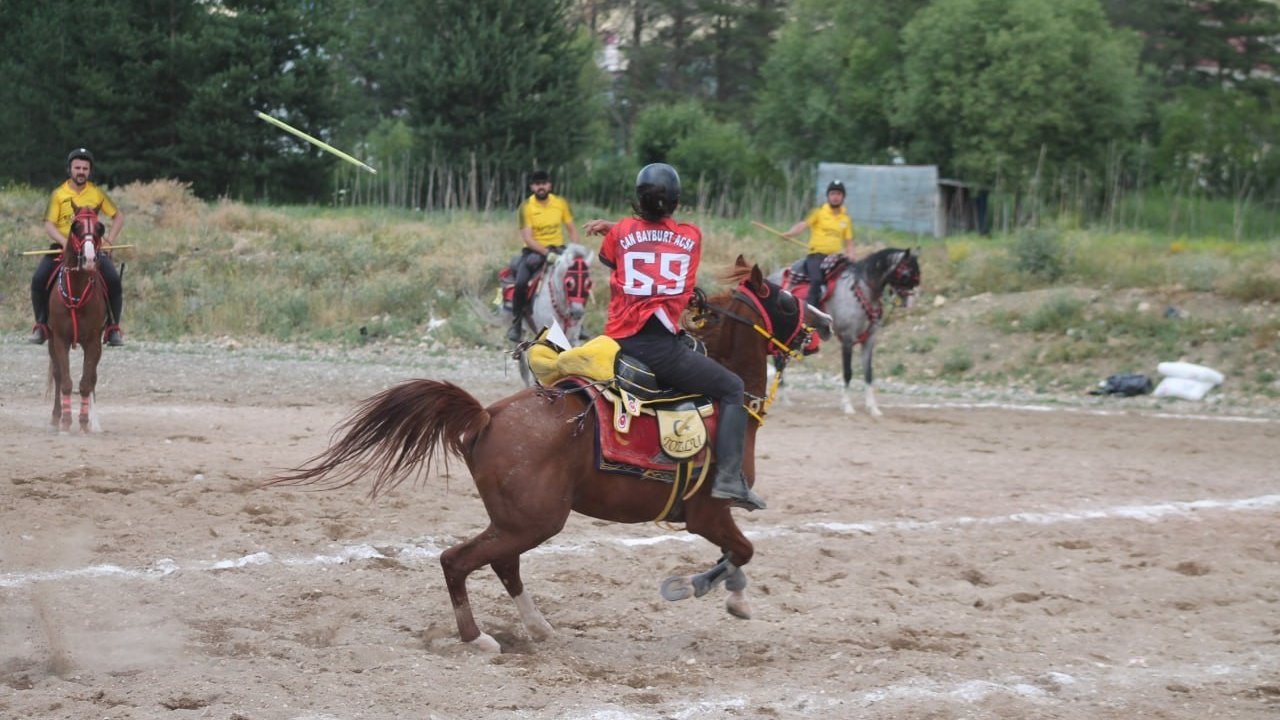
(542, 219)
(830, 231)
(77, 192)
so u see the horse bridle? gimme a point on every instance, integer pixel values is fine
(577, 286)
(783, 350)
(902, 279)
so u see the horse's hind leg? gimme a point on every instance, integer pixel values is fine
(846, 365)
(500, 548)
(508, 571)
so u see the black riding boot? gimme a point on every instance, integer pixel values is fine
(115, 300)
(40, 301)
(516, 332)
(731, 441)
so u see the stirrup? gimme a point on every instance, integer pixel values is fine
(39, 333)
(114, 336)
(750, 501)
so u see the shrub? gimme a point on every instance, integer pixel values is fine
(1039, 253)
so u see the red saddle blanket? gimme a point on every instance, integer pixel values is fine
(507, 280)
(636, 452)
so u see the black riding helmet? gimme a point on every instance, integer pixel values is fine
(657, 191)
(79, 154)
(836, 185)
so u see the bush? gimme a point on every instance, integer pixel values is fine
(1039, 253)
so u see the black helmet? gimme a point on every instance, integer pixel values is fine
(79, 154)
(836, 185)
(539, 176)
(657, 191)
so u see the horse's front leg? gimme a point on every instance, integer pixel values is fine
(680, 587)
(55, 384)
(61, 358)
(88, 384)
(867, 348)
(715, 523)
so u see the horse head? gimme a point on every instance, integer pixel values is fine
(903, 276)
(82, 241)
(784, 321)
(571, 275)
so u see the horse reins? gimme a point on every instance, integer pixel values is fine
(899, 278)
(75, 244)
(785, 351)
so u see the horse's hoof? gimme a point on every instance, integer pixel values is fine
(677, 588)
(738, 607)
(486, 644)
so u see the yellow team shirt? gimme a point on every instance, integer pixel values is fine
(546, 219)
(64, 201)
(828, 230)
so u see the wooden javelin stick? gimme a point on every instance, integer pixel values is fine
(793, 241)
(58, 250)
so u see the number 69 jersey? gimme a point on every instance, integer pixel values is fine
(654, 269)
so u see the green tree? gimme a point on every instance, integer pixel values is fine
(513, 83)
(108, 77)
(716, 152)
(258, 55)
(1004, 89)
(828, 79)
(1221, 140)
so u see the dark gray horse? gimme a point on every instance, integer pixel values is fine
(855, 306)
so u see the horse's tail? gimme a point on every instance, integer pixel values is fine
(395, 435)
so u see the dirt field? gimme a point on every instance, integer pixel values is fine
(1085, 559)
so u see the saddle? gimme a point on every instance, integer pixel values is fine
(507, 287)
(641, 429)
(796, 280)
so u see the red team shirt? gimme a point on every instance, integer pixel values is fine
(655, 266)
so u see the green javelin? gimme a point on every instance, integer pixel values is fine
(315, 141)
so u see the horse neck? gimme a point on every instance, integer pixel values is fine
(872, 270)
(741, 349)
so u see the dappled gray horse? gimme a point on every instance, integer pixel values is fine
(855, 306)
(562, 295)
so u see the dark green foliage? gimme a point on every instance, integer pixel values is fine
(1039, 252)
(1009, 89)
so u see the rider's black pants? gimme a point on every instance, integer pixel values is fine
(526, 266)
(817, 283)
(40, 287)
(676, 364)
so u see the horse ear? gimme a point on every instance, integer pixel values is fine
(740, 263)
(757, 281)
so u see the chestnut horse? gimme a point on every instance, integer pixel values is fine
(77, 315)
(533, 462)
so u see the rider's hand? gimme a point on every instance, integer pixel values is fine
(597, 227)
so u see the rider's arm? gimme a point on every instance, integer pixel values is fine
(848, 249)
(597, 227)
(52, 231)
(117, 223)
(526, 234)
(573, 232)
(796, 229)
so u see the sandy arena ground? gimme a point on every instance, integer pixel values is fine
(1088, 560)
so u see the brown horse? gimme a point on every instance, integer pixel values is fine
(533, 462)
(77, 315)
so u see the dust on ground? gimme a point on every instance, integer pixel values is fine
(967, 555)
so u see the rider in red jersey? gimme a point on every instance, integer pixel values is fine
(653, 261)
